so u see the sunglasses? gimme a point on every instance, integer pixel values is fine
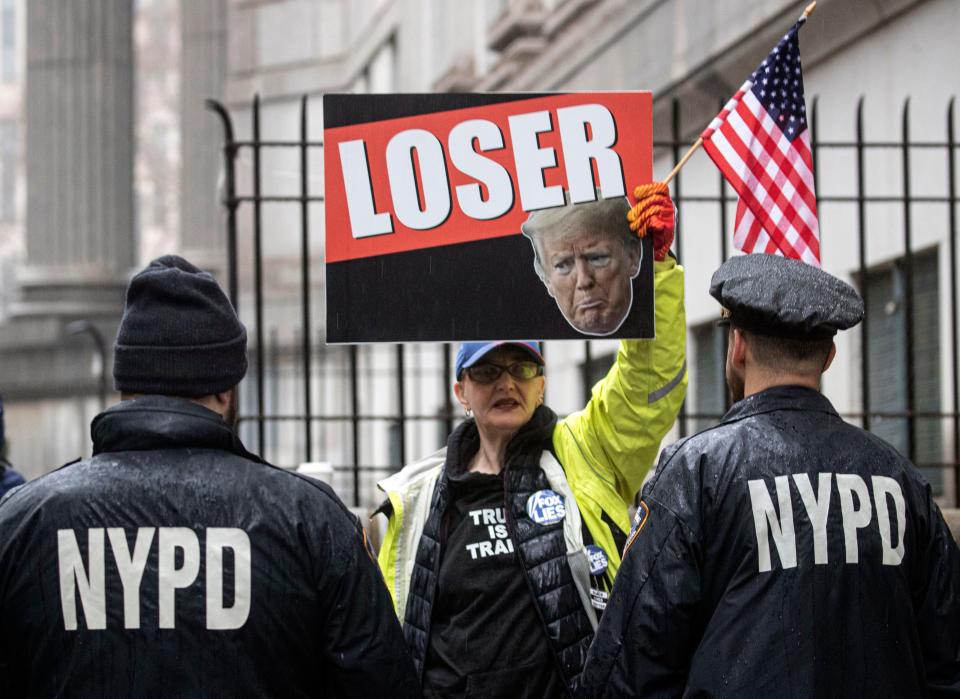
(488, 372)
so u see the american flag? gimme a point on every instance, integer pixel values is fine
(761, 143)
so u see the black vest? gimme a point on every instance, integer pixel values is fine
(542, 549)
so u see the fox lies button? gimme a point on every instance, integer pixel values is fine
(546, 507)
(598, 559)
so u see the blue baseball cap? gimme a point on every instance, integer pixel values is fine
(472, 352)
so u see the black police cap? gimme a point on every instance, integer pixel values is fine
(776, 296)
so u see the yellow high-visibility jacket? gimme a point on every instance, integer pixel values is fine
(604, 450)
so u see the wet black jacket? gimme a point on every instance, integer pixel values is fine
(729, 590)
(175, 564)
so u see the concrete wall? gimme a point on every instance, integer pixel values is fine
(953, 520)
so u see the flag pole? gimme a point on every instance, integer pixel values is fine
(683, 161)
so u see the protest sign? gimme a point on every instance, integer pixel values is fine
(485, 216)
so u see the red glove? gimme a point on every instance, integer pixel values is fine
(653, 213)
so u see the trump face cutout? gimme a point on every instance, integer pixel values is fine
(587, 257)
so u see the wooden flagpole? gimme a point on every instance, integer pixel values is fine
(683, 161)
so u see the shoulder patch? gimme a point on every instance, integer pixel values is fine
(367, 546)
(639, 522)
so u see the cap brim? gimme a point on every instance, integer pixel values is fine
(490, 346)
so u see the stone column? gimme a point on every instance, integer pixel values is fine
(79, 156)
(203, 61)
(80, 238)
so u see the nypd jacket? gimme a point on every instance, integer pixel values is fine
(598, 460)
(173, 563)
(783, 553)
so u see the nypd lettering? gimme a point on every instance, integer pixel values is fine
(493, 524)
(178, 557)
(546, 507)
(856, 513)
(598, 560)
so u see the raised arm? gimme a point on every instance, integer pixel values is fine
(619, 431)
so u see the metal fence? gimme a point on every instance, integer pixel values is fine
(257, 417)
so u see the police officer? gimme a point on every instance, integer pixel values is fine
(783, 552)
(175, 563)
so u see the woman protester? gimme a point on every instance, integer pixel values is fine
(501, 548)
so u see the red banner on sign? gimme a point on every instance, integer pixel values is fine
(448, 177)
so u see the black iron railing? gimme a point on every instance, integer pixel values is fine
(308, 417)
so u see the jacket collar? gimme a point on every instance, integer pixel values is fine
(535, 436)
(779, 398)
(163, 422)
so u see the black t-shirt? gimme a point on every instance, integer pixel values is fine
(486, 637)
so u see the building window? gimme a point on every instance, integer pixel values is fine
(594, 369)
(9, 151)
(8, 40)
(394, 433)
(707, 381)
(888, 376)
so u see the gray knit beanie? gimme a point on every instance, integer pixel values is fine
(179, 335)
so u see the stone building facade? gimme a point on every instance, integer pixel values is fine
(694, 53)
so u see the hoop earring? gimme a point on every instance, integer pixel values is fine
(468, 412)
